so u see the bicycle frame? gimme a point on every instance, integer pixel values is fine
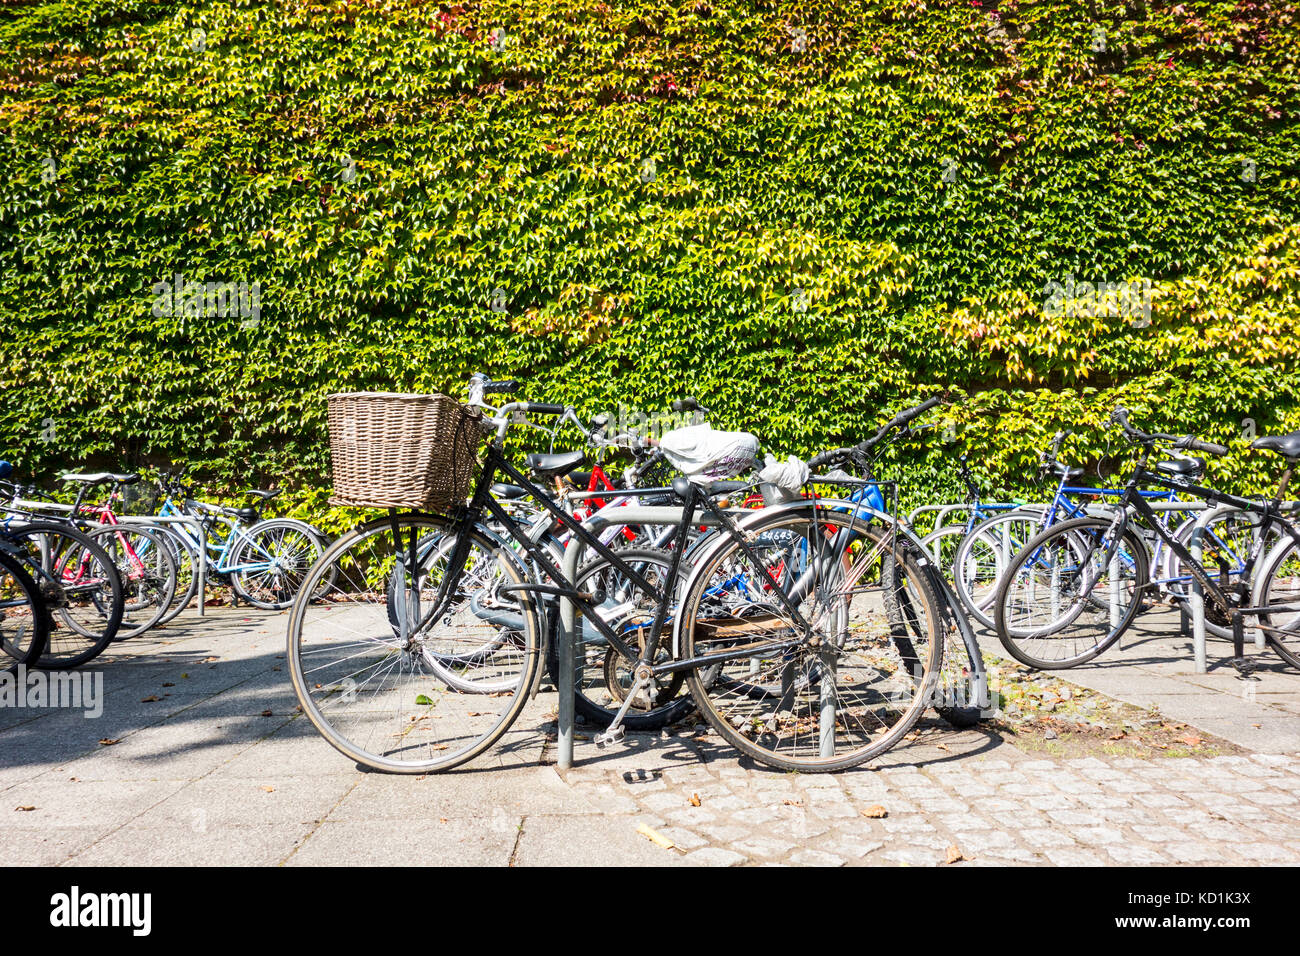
(565, 588)
(1134, 501)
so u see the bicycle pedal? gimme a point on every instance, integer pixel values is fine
(612, 736)
(1245, 668)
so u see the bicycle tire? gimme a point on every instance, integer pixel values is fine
(734, 695)
(1283, 559)
(1073, 532)
(21, 602)
(275, 588)
(148, 574)
(86, 611)
(597, 701)
(399, 733)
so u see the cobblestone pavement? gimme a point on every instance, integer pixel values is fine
(200, 758)
(993, 803)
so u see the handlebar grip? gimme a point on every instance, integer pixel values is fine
(500, 388)
(1192, 443)
(544, 408)
(829, 457)
(686, 405)
(903, 417)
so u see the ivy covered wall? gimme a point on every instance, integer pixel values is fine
(805, 213)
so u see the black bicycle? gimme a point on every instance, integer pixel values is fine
(1072, 590)
(809, 636)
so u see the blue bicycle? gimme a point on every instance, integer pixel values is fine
(265, 561)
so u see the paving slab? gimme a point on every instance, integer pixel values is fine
(203, 777)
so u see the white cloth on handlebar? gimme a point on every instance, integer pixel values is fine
(703, 454)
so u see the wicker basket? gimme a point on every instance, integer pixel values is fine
(391, 450)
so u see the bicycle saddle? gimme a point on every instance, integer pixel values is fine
(1065, 471)
(100, 476)
(1182, 467)
(580, 478)
(560, 463)
(1286, 445)
(264, 495)
(503, 490)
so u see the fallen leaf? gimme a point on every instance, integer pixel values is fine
(150, 699)
(875, 812)
(655, 837)
(169, 684)
(269, 789)
(793, 803)
(695, 799)
(109, 741)
(24, 809)
(954, 854)
(1116, 737)
(267, 713)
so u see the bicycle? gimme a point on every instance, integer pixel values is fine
(1074, 589)
(796, 669)
(984, 552)
(264, 559)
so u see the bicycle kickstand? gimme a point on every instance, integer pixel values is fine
(644, 680)
(1245, 666)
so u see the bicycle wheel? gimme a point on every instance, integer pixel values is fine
(603, 677)
(942, 544)
(144, 563)
(1061, 603)
(81, 588)
(24, 619)
(186, 557)
(848, 689)
(1279, 587)
(379, 693)
(462, 666)
(270, 562)
(983, 556)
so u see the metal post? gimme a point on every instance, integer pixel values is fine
(1196, 597)
(567, 637)
(826, 727)
(203, 566)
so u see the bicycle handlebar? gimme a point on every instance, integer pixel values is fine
(1189, 442)
(1193, 443)
(836, 455)
(688, 404)
(542, 408)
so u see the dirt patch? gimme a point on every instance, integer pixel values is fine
(1040, 713)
